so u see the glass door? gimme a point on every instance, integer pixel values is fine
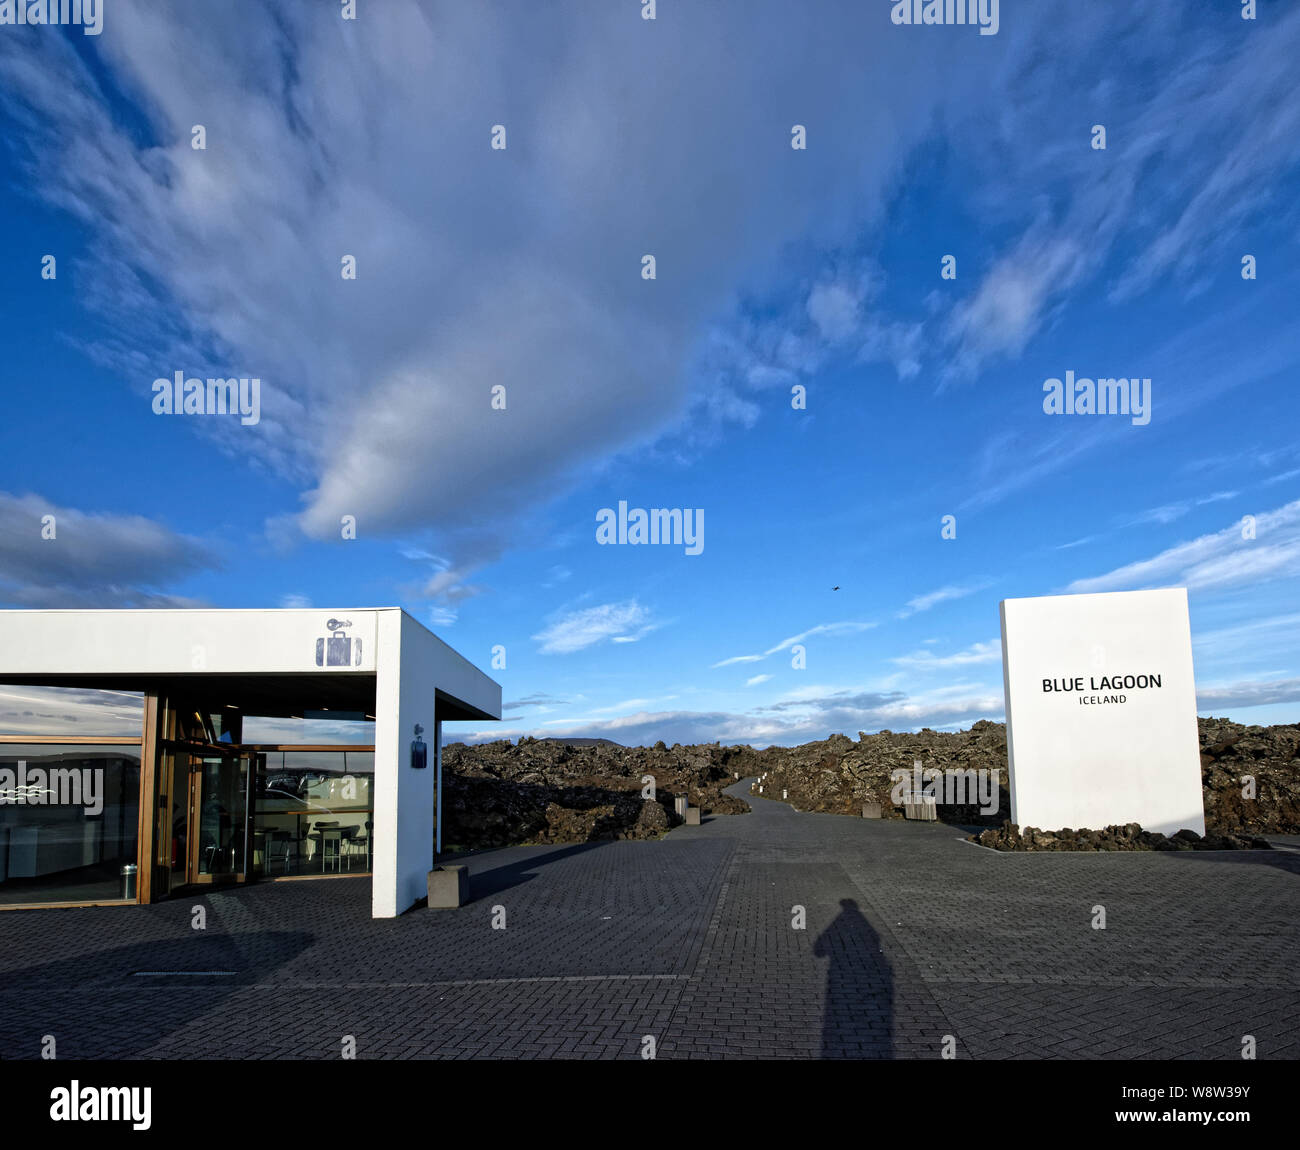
(208, 806)
(219, 783)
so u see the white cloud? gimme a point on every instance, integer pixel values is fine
(739, 659)
(828, 629)
(976, 653)
(1219, 560)
(786, 723)
(321, 144)
(624, 622)
(1272, 634)
(835, 310)
(626, 704)
(1201, 150)
(754, 680)
(1169, 512)
(541, 700)
(70, 710)
(1247, 694)
(942, 595)
(93, 559)
(1008, 307)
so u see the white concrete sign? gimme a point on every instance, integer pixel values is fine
(1101, 711)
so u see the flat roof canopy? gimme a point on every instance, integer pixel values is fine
(273, 662)
(275, 696)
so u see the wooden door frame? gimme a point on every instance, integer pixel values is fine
(195, 753)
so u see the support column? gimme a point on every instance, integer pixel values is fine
(437, 797)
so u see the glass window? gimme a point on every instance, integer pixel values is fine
(63, 712)
(68, 821)
(314, 728)
(313, 812)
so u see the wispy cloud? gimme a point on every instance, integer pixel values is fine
(942, 595)
(540, 700)
(1170, 512)
(1223, 559)
(625, 622)
(69, 710)
(754, 680)
(1247, 694)
(363, 398)
(786, 722)
(1197, 151)
(976, 653)
(827, 629)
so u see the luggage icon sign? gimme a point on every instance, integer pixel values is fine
(337, 649)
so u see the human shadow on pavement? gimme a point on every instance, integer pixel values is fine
(857, 1021)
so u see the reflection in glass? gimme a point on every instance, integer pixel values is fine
(68, 821)
(313, 812)
(221, 815)
(58, 712)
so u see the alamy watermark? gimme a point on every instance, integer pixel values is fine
(1083, 396)
(181, 396)
(981, 12)
(676, 526)
(88, 13)
(951, 787)
(77, 1103)
(55, 787)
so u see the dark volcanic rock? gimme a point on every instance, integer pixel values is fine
(838, 775)
(1232, 754)
(1129, 837)
(551, 791)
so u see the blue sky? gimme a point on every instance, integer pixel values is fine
(775, 268)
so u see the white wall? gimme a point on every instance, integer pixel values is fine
(390, 771)
(178, 642)
(413, 665)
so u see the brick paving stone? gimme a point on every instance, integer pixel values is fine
(911, 936)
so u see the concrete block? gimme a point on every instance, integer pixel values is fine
(448, 886)
(871, 810)
(922, 807)
(692, 816)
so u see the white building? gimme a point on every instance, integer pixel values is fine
(185, 799)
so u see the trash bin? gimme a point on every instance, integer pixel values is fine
(128, 880)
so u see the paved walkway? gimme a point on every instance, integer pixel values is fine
(910, 935)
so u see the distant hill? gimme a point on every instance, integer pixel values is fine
(580, 742)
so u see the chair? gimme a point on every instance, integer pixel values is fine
(323, 834)
(278, 849)
(360, 841)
